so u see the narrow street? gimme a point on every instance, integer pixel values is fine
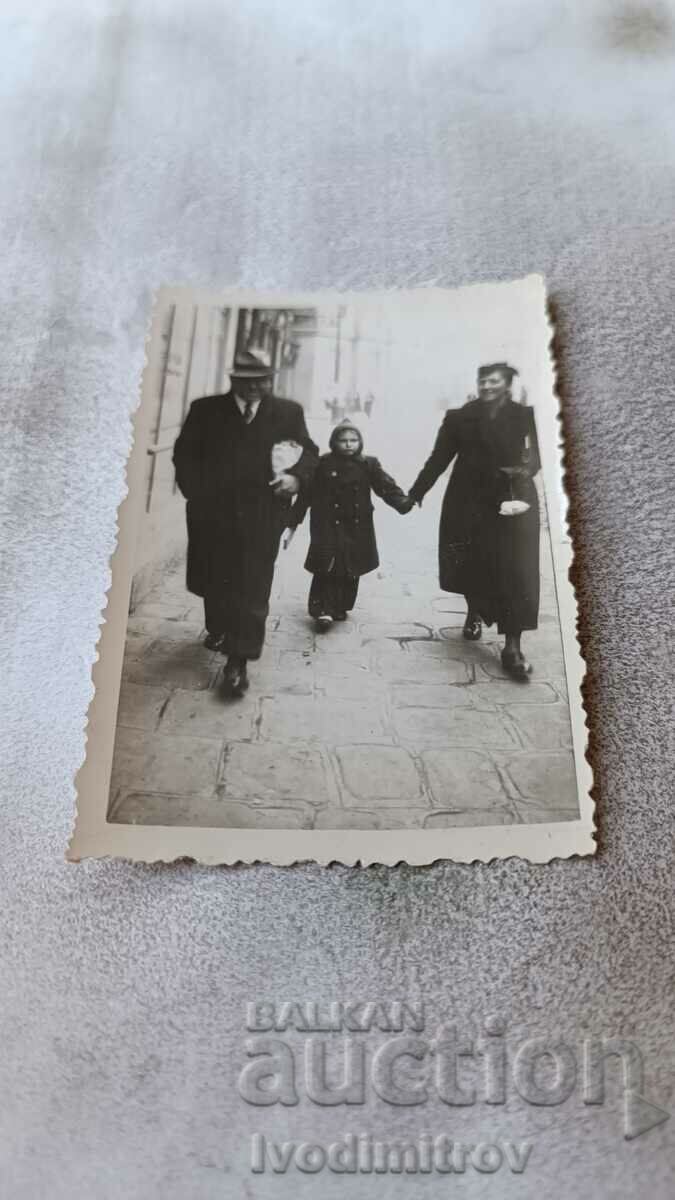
(389, 720)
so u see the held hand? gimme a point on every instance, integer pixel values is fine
(407, 505)
(285, 485)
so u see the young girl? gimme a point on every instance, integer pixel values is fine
(342, 536)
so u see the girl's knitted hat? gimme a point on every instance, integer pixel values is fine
(345, 426)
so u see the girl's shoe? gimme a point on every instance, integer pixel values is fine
(235, 677)
(473, 629)
(323, 622)
(214, 641)
(515, 664)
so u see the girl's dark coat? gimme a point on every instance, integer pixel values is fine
(341, 513)
(481, 554)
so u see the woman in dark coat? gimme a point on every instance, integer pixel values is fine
(342, 534)
(489, 557)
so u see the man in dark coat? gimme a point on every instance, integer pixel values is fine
(487, 555)
(238, 505)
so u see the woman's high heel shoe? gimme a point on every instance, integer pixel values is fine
(515, 664)
(473, 628)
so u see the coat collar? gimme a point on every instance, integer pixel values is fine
(474, 410)
(229, 404)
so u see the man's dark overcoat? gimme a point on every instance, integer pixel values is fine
(492, 559)
(342, 534)
(234, 518)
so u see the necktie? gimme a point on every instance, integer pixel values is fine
(248, 411)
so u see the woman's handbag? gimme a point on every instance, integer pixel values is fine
(514, 505)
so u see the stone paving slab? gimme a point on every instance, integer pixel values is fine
(275, 773)
(335, 818)
(433, 695)
(291, 639)
(321, 719)
(173, 764)
(376, 776)
(444, 650)
(166, 808)
(203, 714)
(270, 681)
(230, 814)
(530, 812)
(507, 692)
(328, 666)
(342, 639)
(140, 706)
(445, 605)
(174, 665)
(148, 631)
(168, 609)
(560, 684)
(158, 808)
(386, 631)
(459, 727)
(545, 727)
(457, 820)
(400, 666)
(365, 685)
(463, 780)
(542, 777)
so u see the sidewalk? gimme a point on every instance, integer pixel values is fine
(390, 720)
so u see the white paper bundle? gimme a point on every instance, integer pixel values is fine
(512, 508)
(285, 455)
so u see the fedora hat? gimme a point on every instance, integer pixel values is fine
(249, 366)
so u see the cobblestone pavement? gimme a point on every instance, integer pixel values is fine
(389, 720)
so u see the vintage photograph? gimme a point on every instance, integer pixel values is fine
(341, 624)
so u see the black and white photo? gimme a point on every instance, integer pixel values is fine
(348, 631)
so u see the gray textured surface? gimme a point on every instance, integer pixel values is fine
(345, 145)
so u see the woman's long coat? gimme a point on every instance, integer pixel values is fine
(342, 533)
(492, 559)
(223, 468)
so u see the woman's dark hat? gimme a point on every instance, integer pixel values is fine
(249, 366)
(345, 426)
(503, 367)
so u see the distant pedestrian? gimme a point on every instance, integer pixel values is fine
(343, 546)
